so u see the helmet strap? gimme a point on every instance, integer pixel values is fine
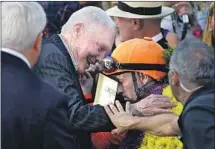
(143, 91)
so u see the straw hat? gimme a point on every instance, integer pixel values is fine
(140, 10)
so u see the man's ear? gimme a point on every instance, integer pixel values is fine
(210, 22)
(78, 29)
(37, 43)
(136, 24)
(143, 78)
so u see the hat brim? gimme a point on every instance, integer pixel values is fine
(116, 12)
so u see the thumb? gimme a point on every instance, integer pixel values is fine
(118, 131)
(114, 132)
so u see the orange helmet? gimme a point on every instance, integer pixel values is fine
(140, 51)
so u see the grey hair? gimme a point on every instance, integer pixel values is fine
(90, 16)
(193, 60)
(22, 22)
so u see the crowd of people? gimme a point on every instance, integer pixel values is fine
(161, 54)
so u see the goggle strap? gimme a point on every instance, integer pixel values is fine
(158, 67)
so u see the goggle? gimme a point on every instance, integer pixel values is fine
(111, 65)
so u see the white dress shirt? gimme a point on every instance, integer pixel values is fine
(16, 54)
(157, 37)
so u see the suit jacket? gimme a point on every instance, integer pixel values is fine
(34, 114)
(55, 66)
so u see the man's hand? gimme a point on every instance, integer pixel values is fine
(95, 69)
(86, 82)
(152, 105)
(122, 119)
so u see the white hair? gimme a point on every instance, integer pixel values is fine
(22, 22)
(89, 16)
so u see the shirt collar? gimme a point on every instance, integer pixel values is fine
(69, 51)
(16, 54)
(157, 37)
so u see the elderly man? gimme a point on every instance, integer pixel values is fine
(32, 110)
(142, 19)
(191, 78)
(85, 39)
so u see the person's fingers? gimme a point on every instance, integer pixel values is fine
(113, 108)
(161, 98)
(114, 131)
(161, 111)
(99, 66)
(118, 131)
(128, 107)
(154, 95)
(87, 75)
(91, 68)
(108, 111)
(119, 106)
(164, 105)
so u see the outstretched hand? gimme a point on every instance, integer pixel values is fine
(122, 119)
(86, 82)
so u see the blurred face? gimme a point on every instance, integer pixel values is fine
(126, 86)
(175, 85)
(183, 8)
(211, 24)
(125, 28)
(93, 46)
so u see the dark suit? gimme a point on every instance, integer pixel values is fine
(34, 114)
(55, 66)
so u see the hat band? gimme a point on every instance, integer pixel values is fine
(140, 10)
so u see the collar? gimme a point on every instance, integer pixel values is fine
(157, 37)
(69, 51)
(203, 90)
(16, 54)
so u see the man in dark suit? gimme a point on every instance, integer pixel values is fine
(58, 64)
(32, 110)
(85, 39)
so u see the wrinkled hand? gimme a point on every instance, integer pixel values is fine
(86, 82)
(94, 69)
(152, 105)
(122, 119)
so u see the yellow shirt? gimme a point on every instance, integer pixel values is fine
(154, 142)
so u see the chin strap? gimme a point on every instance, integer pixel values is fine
(143, 91)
